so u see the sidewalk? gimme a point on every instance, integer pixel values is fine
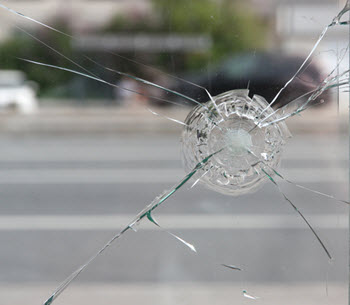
(178, 293)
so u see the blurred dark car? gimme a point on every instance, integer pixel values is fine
(263, 73)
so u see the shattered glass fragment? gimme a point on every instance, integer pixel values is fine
(166, 117)
(231, 267)
(232, 125)
(248, 296)
(187, 244)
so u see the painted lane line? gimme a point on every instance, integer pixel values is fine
(147, 176)
(173, 221)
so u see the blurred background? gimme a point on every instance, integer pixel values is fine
(79, 158)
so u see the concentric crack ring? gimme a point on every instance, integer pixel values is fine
(233, 124)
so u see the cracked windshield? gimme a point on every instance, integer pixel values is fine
(174, 152)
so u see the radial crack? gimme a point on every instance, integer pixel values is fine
(300, 214)
(146, 212)
(335, 21)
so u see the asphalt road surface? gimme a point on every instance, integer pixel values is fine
(63, 197)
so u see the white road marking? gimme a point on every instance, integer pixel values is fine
(139, 154)
(120, 151)
(147, 175)
(171, 222)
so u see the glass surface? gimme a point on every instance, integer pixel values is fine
(97, 207)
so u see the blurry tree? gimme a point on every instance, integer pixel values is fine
(20, 45)
(230, 24)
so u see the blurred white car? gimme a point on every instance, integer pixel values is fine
(16, 92)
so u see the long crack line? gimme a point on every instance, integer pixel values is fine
(146, 212)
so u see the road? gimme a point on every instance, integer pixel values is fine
(63, 197)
